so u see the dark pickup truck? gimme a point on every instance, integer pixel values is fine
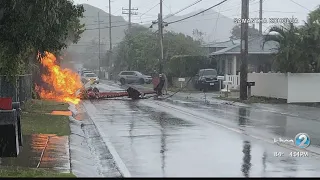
(206, 79)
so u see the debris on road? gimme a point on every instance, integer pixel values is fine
(90, 91)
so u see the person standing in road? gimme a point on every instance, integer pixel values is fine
(165, 86)
(155, 79)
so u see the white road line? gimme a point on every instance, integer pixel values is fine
(120, 164)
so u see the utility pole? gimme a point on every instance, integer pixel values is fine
(244, 51)
(160, 26)
(130, 12)
(110, 39)
(99, 42)
(260, 17)
(110, 26)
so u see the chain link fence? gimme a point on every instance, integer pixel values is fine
(20, 89)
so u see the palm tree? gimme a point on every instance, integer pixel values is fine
(291, 52)
(299, 47)
(311, 39)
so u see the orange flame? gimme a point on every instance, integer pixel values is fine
(64, 82)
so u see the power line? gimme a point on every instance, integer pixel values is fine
(121, 21)
(119, 25)
(106, 27)
(149, 9)
(166, 6)
(229, 17)
(198, 12)
(232, 16)
(105, 23)
(230, 9)
(183, 9)
(215, 28)
(283, 12)
(300, 5)
(91, 45)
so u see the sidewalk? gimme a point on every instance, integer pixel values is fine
(210, 97)
(311, 113)
(45, 151)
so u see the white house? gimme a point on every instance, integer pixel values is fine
(260, 57)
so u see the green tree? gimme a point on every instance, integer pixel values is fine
(27, 27)
(188, 65)
(140, 49)
(299, 50)
(198, 35)
(236, 32)
(290, 55)
(310, 34)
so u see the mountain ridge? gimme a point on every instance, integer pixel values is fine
(217, 30)
(87, 48)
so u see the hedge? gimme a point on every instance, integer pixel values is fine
(188, 66)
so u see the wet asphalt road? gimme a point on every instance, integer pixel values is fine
(182, 137)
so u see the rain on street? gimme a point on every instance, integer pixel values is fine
(181, 137)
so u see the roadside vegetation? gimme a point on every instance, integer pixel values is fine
(299, 50)
(36, 118)
(255, 99)
(140, 50)
(32, 173)
(27, 28)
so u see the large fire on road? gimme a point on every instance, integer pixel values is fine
(63, 82)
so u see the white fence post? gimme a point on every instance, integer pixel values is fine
(234, 79)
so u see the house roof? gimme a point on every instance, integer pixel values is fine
(255, 46)
(222, 44)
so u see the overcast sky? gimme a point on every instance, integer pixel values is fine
(271, 8)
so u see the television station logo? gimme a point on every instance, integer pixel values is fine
(302, 140)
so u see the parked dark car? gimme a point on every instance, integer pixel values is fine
(206, 79)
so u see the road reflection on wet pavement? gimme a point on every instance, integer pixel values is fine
(189, 139)
(277, 124)
(42, 151)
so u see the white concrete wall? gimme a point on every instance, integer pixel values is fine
(274, 85)
(295, 87)
(303, 87)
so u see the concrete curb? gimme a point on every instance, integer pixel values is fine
(83, 163)
(73, 109)
(118, 161)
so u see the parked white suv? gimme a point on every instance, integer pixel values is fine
(133, 77)
(85, 71)
(90, 76)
